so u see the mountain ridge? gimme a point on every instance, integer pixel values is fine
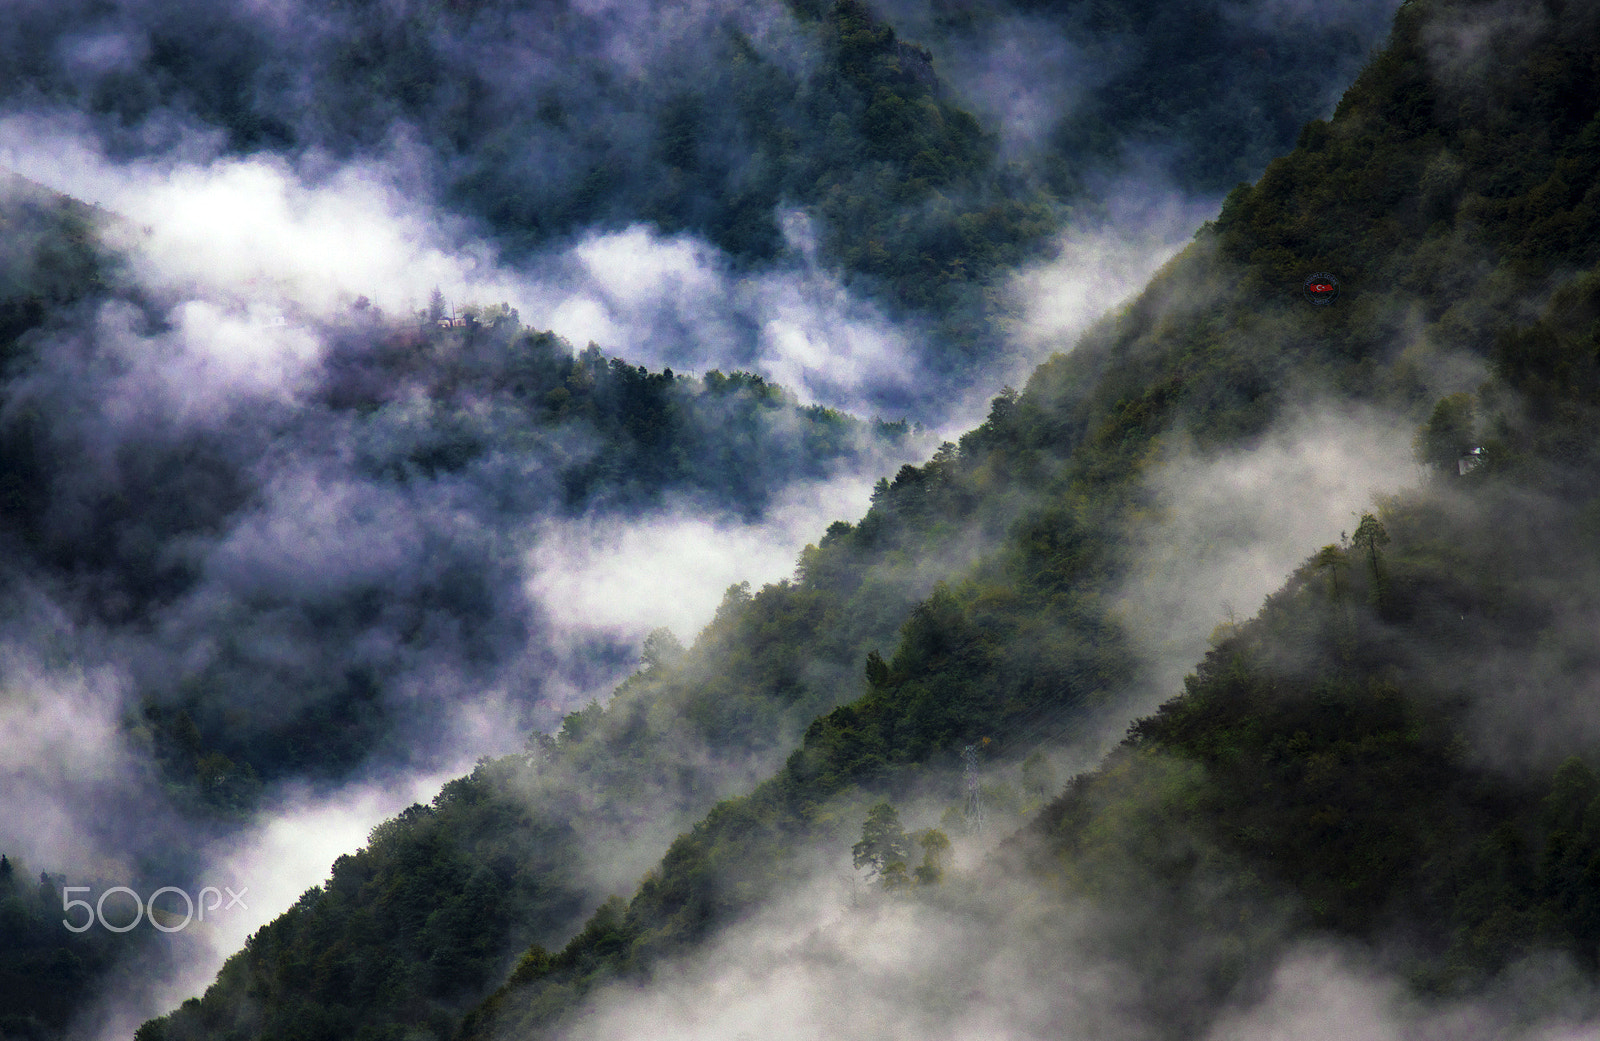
(1264, 253)
(1028, 512)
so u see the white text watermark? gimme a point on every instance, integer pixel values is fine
(96, 912)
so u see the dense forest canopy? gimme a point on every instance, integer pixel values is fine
(547, 124)
(1419, 808)
(1381, 784)
(374, 512)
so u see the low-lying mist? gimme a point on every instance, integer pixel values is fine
(294, 554)
(262, 489)
(1221, 531)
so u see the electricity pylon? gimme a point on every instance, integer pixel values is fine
(974, 809)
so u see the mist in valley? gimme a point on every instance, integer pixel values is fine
(292, 556)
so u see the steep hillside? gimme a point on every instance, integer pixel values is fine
(296, 539)
(1399, 751)
(1221, 341)
(718, 120)
(1453, 206)
(1205, 94)
(458, 442)
(1380, 748)
(510, 423)
(51, 258)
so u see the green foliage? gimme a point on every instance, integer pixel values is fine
(474, 400)
(45, 968)
(406, 932)
(731, 436)
(1448, 434)
(1315, 763)
(769, 662)
(877, 669)
(662, 650)
(883, 843)
(716, 132)
(208, 780)
(577, 726)
(1351, 777)
(935, 852)
(894, 878)
(1307, 749)
(1370, 535)
(1038, 776)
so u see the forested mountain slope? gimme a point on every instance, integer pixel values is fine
(1453, 196)
(1205, 94)
(457, 441)
(549, 123)
(1452, 193)
(1399, 750)
(512, 423)
(151, 519)
(1394, 753)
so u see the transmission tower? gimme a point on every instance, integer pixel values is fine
(974, 810)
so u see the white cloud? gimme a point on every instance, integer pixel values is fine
(626, 577)
(637, 267)
(1227, 530)
(61, 747)
(584, 320)
(675, 301)
(1096, 267)
(258, 228)
(238, 238)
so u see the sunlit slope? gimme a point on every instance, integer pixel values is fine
(1433, 266)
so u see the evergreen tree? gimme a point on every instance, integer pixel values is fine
(662, 650)
(1448, 433)
(883, 842)
(877, 669)
(1370, 534)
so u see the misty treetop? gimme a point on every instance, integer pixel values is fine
(1382, 668)
(885, 847)
(419, 925)
(1346, 765)
(1353, 755)
(405, 438)
(542, 125)
(883, 842)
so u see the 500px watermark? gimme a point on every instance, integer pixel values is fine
(96, 911)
